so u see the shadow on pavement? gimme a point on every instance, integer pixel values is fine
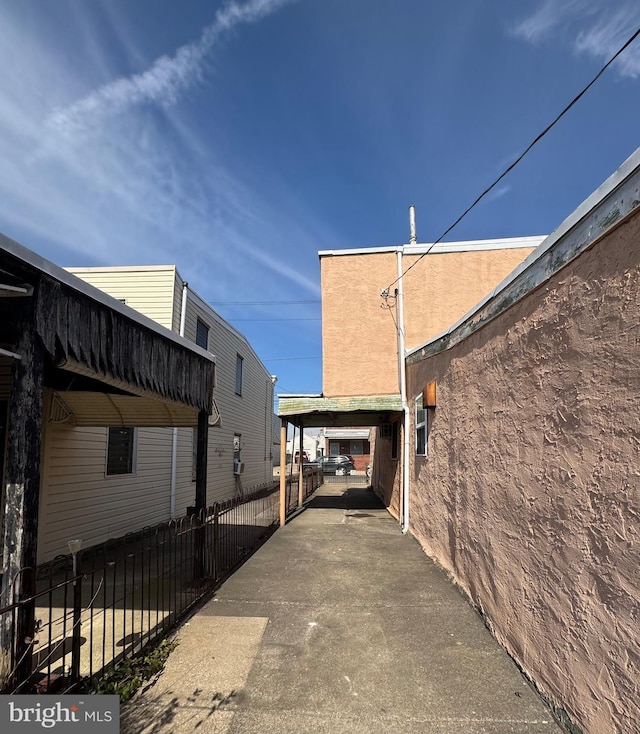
(354, 498)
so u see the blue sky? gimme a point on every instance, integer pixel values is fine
(238, 139)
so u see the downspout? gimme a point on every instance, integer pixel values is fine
(174, 433)
(403, 375)
(404, 514)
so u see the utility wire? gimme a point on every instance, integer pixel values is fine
(287, 359)
(258, 303)
(236, 320)
(520, 157)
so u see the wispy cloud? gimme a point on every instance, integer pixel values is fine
(116, 183)
(165, 79)
(605, 38)
(597, 28)
(499, 192)
(547, 18)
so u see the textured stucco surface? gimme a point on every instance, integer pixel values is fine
(359, 344)
(530, 493)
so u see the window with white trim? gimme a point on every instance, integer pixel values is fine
(121, 451)
(422, 425)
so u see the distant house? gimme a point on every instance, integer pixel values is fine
(351, 441)
(311, 446)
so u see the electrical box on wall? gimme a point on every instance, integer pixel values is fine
(238, 467)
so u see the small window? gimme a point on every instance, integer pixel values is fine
(359, 447)
(385, 430)
(202, 334)
(239, 361)
(120, 451)
(394, 439)
(237, 445)
(421, 427)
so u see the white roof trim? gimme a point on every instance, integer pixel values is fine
(508, 243)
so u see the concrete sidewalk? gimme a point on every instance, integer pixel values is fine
(338, 624)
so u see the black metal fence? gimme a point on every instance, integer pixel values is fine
(312, 478)
(108, 602)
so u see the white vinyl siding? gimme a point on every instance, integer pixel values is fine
(250, 415)
(150, 290)
(79, 500)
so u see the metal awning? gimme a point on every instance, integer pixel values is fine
(107, 409)
(317, 410)
(350, 433)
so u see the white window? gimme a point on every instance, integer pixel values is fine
(121, 451)
(422, 419)
(239, 361)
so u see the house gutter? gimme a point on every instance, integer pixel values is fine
(174, 433)
(403, 397)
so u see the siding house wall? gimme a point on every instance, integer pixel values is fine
(78, 499)
(249, 414)
(152, 294)
(530, 495)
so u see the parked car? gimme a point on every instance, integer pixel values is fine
(338, 465)
(305, 457)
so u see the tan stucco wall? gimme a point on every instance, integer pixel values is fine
(359, 346)
(530, 494)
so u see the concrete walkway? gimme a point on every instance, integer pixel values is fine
(338, 624)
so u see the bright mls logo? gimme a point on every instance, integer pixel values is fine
(84, 714)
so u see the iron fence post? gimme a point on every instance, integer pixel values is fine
(216, 536)
(76, 639)
(25, 627)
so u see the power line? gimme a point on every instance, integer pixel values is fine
(259, 303)
(521, 156)
(314, 319)
(287, 359)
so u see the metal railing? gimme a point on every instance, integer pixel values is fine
(312, 478)
(108, 602)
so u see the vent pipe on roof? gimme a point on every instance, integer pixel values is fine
(412, 225)
(174, 432)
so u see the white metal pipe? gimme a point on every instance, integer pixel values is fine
(403, 398)
(174, 432)
(412, 225)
